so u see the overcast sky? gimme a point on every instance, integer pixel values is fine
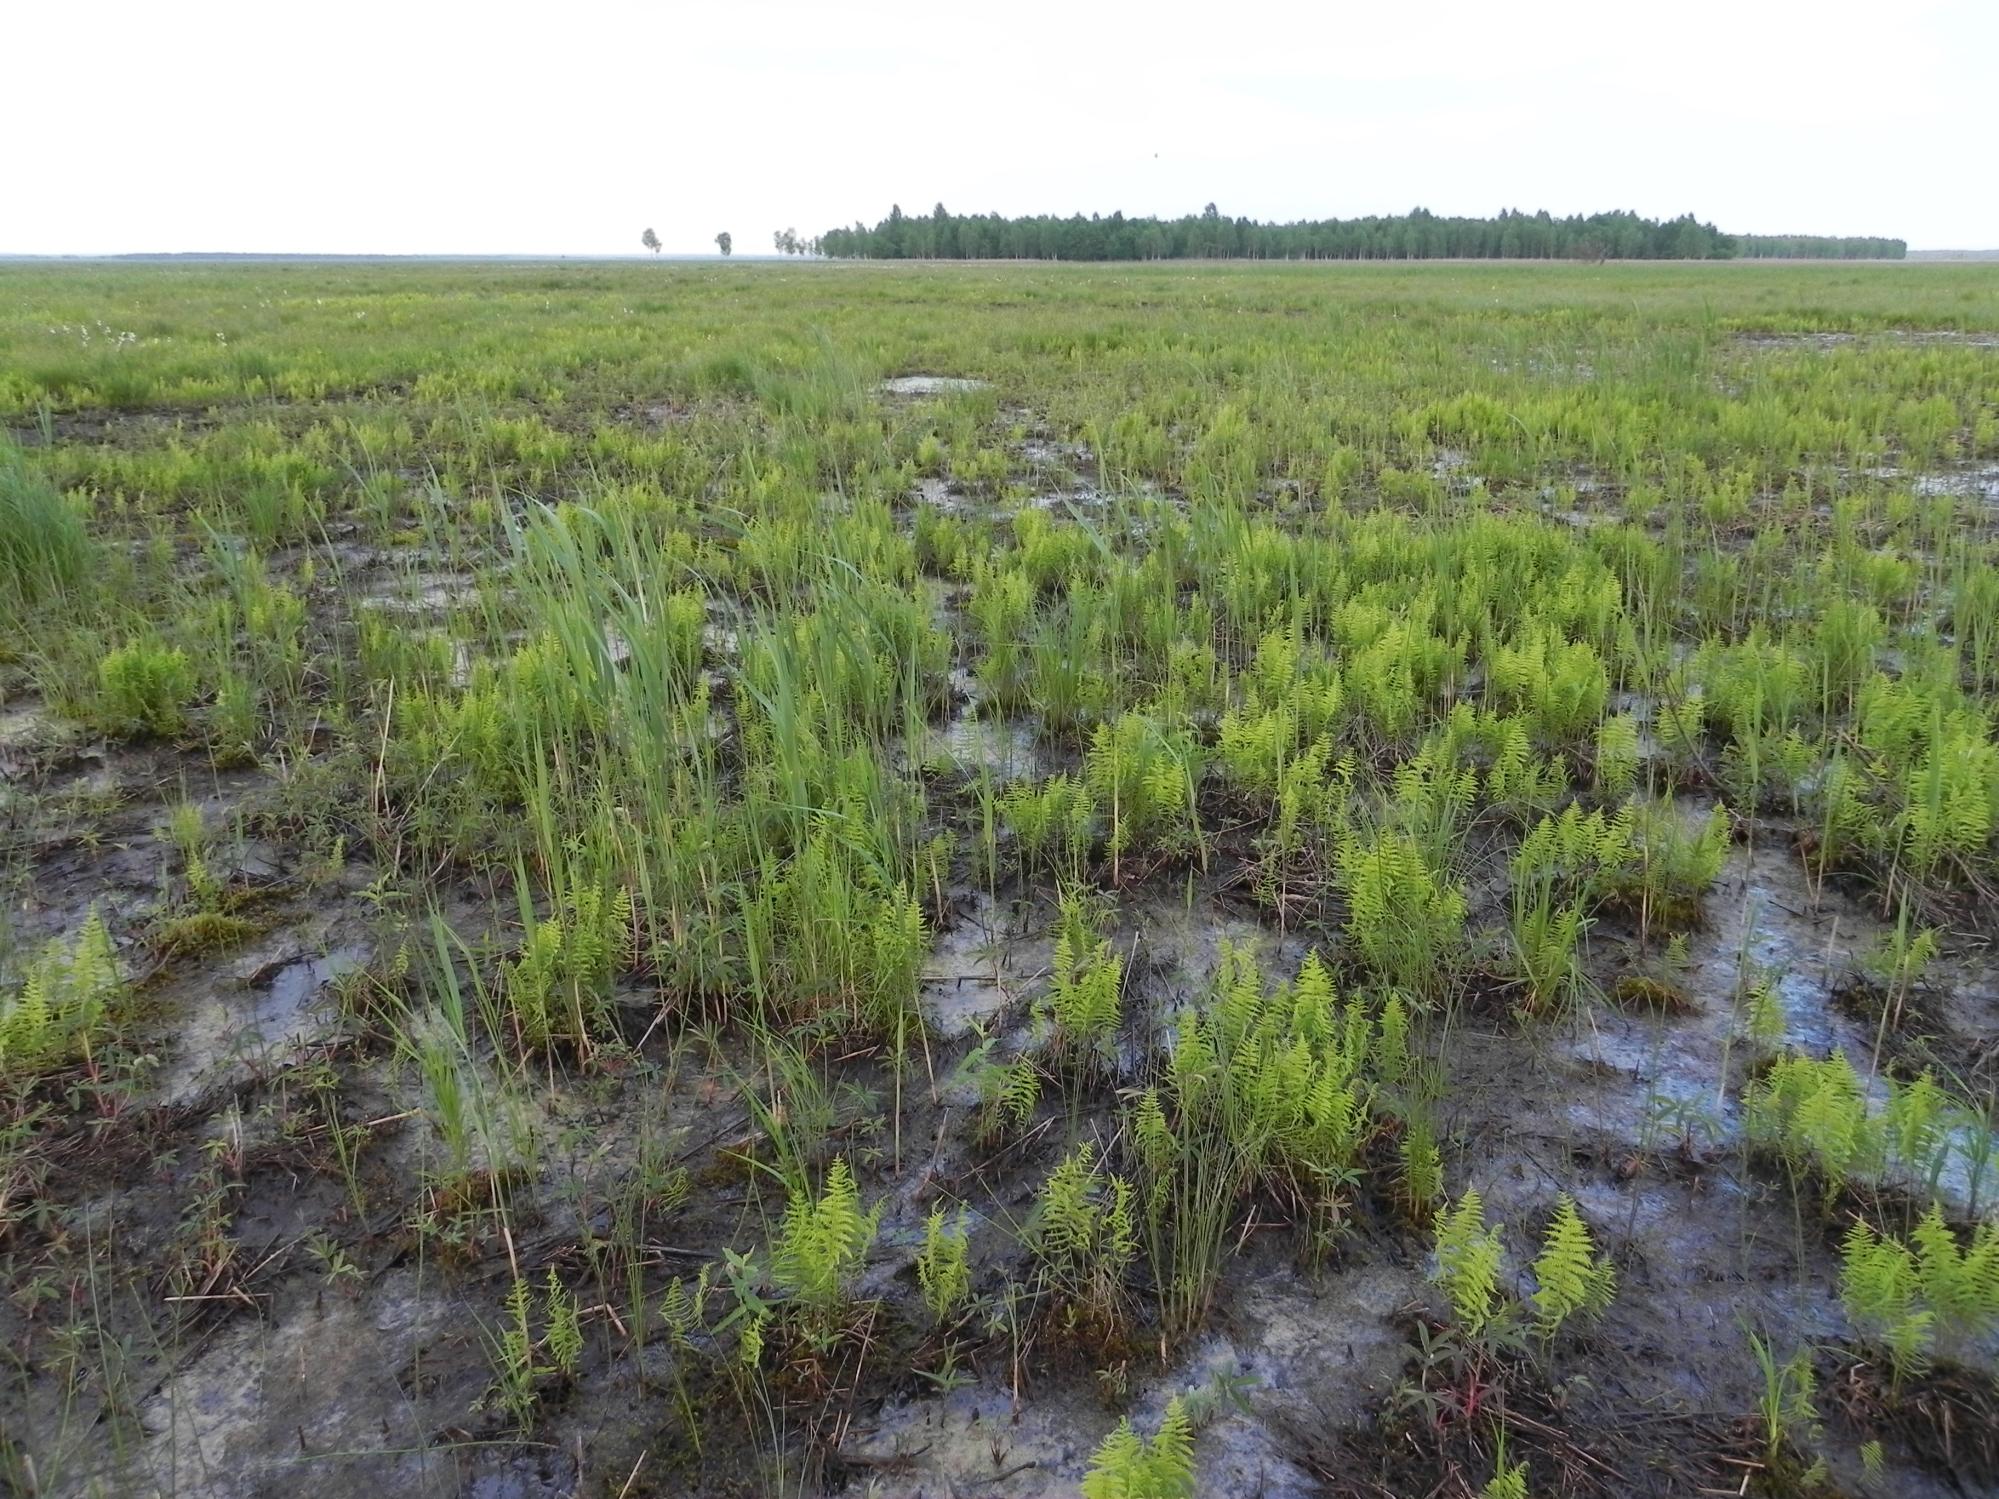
(419, 126)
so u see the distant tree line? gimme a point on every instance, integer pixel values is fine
(1419, 235)
(1819, 247)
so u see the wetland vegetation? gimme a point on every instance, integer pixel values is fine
(1128, 881)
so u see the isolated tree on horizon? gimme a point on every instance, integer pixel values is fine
(650, 241)
(725, 242)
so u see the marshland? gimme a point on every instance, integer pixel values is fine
(1223, 879)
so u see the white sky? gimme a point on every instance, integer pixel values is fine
(425, 126)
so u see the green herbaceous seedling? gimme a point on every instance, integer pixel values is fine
(1271, 1091)
(1085, 1238)
(1130, 1466)
(1927, 1292)
(521, 1359)
(1786, 1408)
(1468, 1261)
(822, 1245)
(1085, 981)
(942, 1268)
(1819, 1117)
(1507, 1482)
(1570, 1277)
(63, 1002)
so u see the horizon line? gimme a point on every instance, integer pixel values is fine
(766, 257)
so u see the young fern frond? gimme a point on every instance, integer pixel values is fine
(512, 1350)
(1086, 1237)
(822, 1243)
(1468, 1256)
(1421, 1169)
(1617, 756)
(1947, 1279)
(1508, 1481)
(565, 1328)
(1815, 1114)
(1881, 1287)
(1084, 987)
(65, 998)
(1950, 1290)
(1569, 1275)
(1405, 919)
(943, 1266)
(1128, 1466)
(1007, 1096)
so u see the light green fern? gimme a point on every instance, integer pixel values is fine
(1960, 1283)
(1569, 1275)
(1881, 1286)
(513, 1354)
(1084, 987)
(1405, 920)
(1128, 1466)
(1929, 1291)
(1509, 1480)
(1007, 1096)
(565, 1330)
(1421, 1169)
(64, 1001)
(943, 1266)
(823, 1243)
(559, 986)
(1085, 1236)
(1617, 755)
(1468, 1256)
(1815, 1114)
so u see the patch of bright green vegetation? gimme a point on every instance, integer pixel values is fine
(63, 1002)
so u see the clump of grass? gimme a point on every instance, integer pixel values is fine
(1638, 991)
(46, 554)
(1673, 867)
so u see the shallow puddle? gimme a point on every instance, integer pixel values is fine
(979, 965)
(277, 1009)
(1760, 925)
(1002, 748)
(422, 593)
(930, 385)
